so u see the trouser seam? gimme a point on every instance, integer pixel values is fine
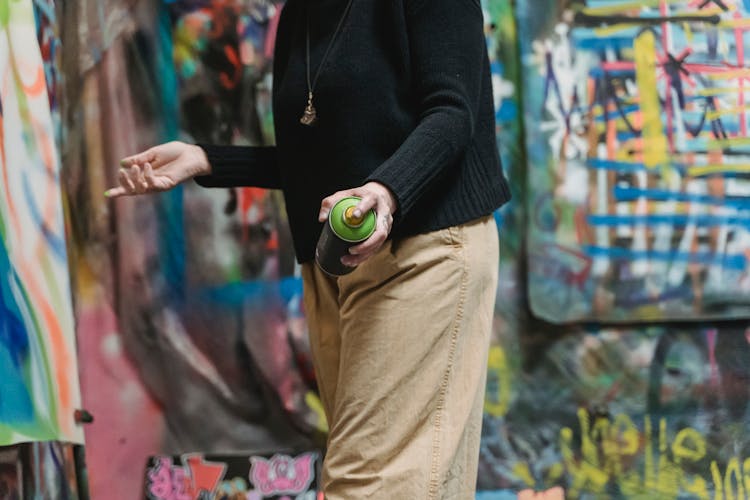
(434, 481)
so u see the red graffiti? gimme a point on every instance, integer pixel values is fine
(229, 81)
(169, 482)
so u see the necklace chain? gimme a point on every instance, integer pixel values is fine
(310, 115)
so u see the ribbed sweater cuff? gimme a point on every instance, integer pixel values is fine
(233, 166)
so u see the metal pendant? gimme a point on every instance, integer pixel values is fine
(310, 116)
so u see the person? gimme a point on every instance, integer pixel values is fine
(390, 101)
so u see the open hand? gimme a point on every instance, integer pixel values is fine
(373, 195)
(159, 169)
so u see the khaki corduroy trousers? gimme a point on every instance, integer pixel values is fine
(400, 351)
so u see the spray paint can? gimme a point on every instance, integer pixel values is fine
(341, 232)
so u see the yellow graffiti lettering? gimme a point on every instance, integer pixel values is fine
(718, 483)
(586, 472)
(555, 472)
(733, 481)
(690, 446)
(649, 481)
(621, 442)
(496, 402)
(607, 449)
(521, 471)
(313, 402)
(730, 485)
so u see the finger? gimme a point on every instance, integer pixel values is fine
(136, 174)
(115, 192)
(126, 182)
(139, 159)
(327, 204)
(371, 244)
(383, 226)
(368, 202)
(148, 175)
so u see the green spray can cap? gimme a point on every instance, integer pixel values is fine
(348, 227)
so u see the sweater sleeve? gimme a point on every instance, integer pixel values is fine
(447, 48)
(237, 166)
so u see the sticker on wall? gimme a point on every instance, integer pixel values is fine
(279, 476)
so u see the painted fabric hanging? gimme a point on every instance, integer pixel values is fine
(39, 389)
(639, 154)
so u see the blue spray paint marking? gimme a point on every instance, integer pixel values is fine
(597, 44)
(632, 194)
(236, 294)
(508, 109)
(55, 242)
(619, 166)
(15, 401)
(737, 262)
(677, 220)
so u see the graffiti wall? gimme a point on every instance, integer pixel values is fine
(39, 392)
(637, 133)
(190, 329)
(623, 132)
(42, 470)
(582, 409)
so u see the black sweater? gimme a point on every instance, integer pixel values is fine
(405, 99)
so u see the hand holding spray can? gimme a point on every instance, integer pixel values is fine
(341, 232)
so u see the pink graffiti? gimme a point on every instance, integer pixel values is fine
(282, 474)
(169, 482)
(166, 482)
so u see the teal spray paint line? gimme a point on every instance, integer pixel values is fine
(170, 204)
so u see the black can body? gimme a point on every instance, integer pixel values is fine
(329, 251)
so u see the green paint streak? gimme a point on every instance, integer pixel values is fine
(2, 214)
(4, 13)
(49, 424)
(26, 433)
(56, 297)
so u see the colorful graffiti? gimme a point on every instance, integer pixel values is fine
(280, 476)
(624, 413)
(596, 411)
(190, 327)
(41, 470)
(39, 392)
(637, 139)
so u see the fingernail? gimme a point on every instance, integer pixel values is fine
(357, 213)
(122, 163)
(107, 193)
(323, 216)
